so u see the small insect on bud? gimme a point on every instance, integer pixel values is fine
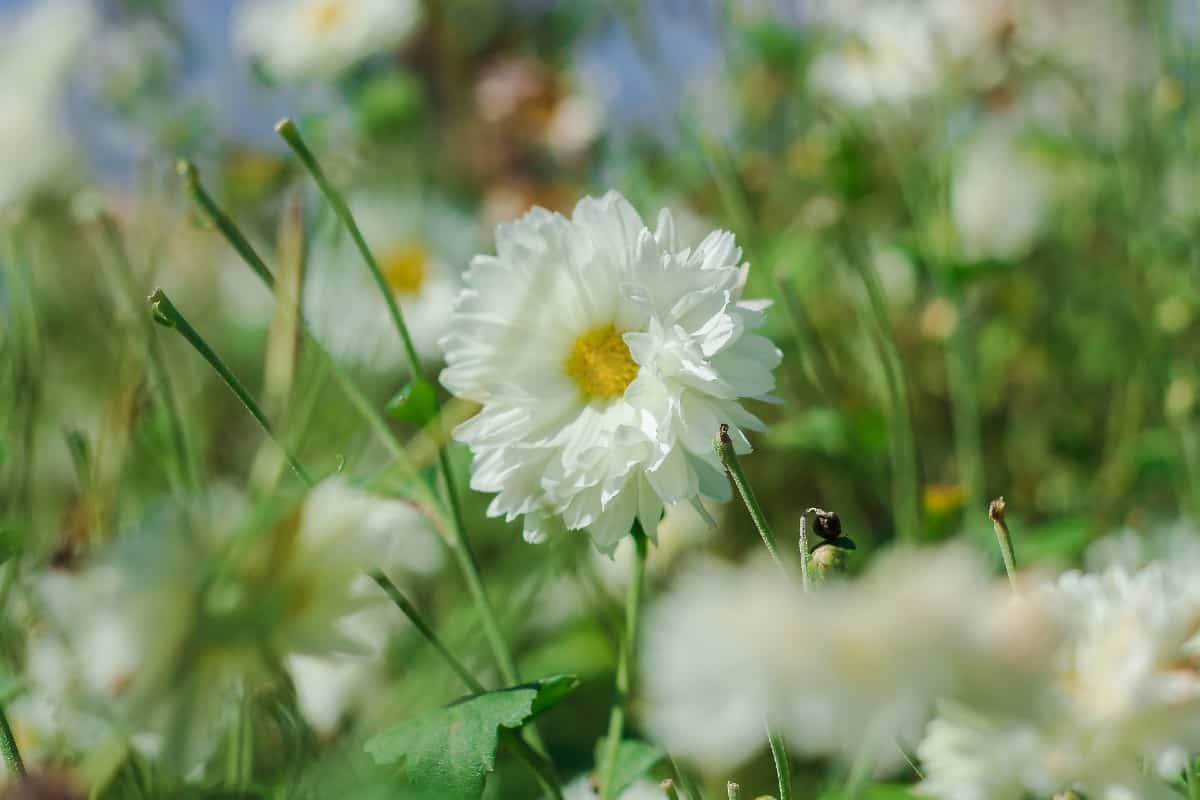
(827, 524)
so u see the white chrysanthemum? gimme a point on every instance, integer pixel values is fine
(1124, 695)
(420, 245)
(854, 665)
(36, 48)
(999, 196)
(605, 356)
(297, 39)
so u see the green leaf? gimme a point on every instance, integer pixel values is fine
(448, 752)
(634, 759)
(415, 403)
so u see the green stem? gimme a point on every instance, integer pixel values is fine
(291, 134)
(8, 746)
(357, 399)
(616, 719)
(733, 790)
(463, 553)
(783, 767)
(996, 510)
(1193, 782)
(165, 313)
(805, 580)
(223, 223)
(733, 468)
(906, 491)
(540, 766)
(967, 435)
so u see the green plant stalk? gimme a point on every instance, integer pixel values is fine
(540, 766)
(906, 494)
(783, 767)
(805, 580)
(996, 511)
(733, 790)
(463, 553)
(122, 274)
(8, 746)
(357, 399)
(616, 719)
(167, 314)
(223, 223)
(967, 436)
(733, 469)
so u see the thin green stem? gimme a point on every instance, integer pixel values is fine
(540, 766)
(291, 134)
(996, 510)
(223, 223)
(733, 790)
(357, 399)
(906, 491)
(8, 746)
(668, 787)
(733, 468)
(625, 657)
(783, 766)
(165, 313)
(805, 580)
(463, 553)
(1193, 782)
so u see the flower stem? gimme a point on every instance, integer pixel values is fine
(165, 313)
(733, 790)
(8, 746)
(733, 468)
(805, 580)
(996, 511)
(538, 763)
(616, 719)
(783, 767)
(291, 134)
(463, 553)
(223, 223)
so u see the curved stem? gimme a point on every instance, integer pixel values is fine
(8, 746)
(616, 719)
(996, 511)
(733, 469)
(783, 766)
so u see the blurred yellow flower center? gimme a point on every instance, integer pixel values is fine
(600, 363)
(326, 15)
(404, 267)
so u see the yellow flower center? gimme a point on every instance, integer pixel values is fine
(600, 363)
(404, 267)
(326, 15)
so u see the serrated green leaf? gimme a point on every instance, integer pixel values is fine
(447, 752)
(634, 759)
(415, 403)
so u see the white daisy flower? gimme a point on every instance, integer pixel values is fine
(37, 47)
(855, 665)
(420, 245)
(605, 356)
(299, 39)
(1123, 696)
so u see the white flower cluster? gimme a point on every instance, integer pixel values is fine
(1089, 683)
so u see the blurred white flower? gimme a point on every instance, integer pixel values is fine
(37, 47)
(182, 618)
(299, 39)
(421, 246)
(999, 196)
(887, 55)
(1124, 694)
(681, 531)
(584, 788)
(855, 665)
(605, 357)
